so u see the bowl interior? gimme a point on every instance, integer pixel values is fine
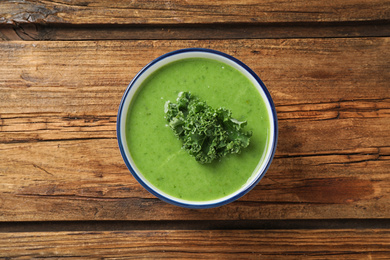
(196, 53)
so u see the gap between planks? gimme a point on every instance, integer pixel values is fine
(66, 32)
(90, 226)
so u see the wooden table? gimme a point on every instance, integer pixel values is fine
(66, 192)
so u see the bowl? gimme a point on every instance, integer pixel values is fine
(131, 93)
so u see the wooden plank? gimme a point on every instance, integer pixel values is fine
(88, 180)
(206, 244)
(190, 12)
(58, 150)
(92, 76)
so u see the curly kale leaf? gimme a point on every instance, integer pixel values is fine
(206, 133)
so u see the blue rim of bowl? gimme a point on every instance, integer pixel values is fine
(189, 205)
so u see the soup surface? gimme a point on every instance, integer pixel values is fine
(157, 152)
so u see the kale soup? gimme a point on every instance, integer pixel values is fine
(209, 153)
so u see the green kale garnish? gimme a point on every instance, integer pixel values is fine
(206, 133)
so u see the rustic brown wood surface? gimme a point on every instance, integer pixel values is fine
(190, 12)
(66, 192)
(205, 244)
(59, 113)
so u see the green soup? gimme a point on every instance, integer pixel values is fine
(157, 152)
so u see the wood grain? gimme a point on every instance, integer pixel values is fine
(190, 12)
(58, 149)
(65, 191)
(91, 76)
(215, 244)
